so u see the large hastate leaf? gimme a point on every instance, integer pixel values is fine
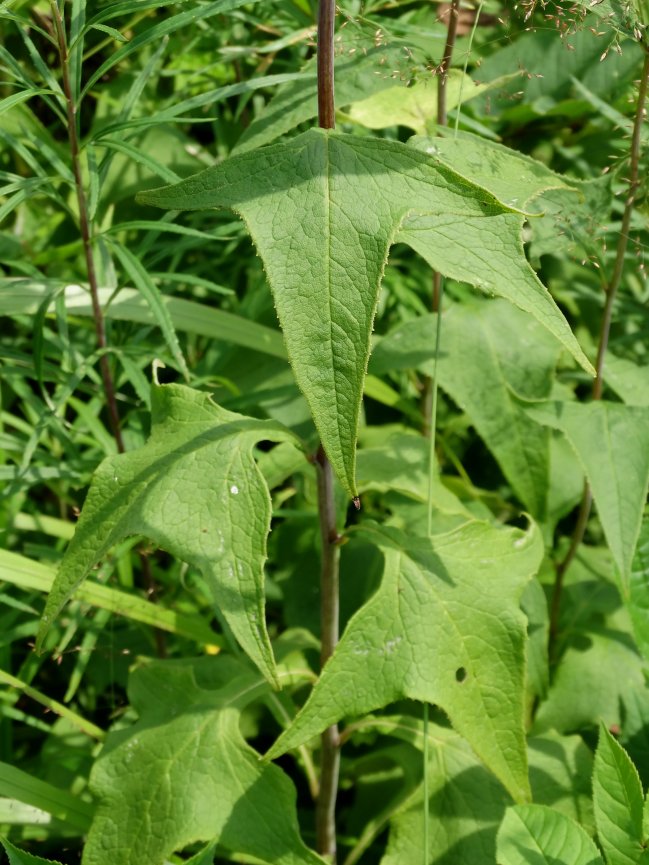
(492, 359)
(444, 627)
(184, 773)
(323, 210)
(611, 441)
(195, 490)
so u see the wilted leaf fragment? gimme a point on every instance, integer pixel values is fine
(185, 774)
(195, 490)
(444, 627)
(538, 835)
(323, 210)
(617, 795)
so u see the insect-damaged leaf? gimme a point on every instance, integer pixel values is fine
(444, 627)
(323, 210)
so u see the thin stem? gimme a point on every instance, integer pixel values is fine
(458, 113)
(85, 225)
(444, 66)
(329, 618)
(426, 844)
(330, 569)
(604, 334)
(326, 103)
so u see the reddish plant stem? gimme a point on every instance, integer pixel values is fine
(604, 334)
(329, 574)
(442, 120)
(85, 227)
(329, 629)
(442, 71)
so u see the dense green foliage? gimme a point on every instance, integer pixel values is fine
(207, 304)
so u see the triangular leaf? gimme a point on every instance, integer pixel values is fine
(611, 441)
(444, 627)
(323, 210)
(538, 835)
(183, 773)
(617, 795)
(195, 490)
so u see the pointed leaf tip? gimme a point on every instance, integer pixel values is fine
(195, 447)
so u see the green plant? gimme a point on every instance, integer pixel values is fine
(441, 577)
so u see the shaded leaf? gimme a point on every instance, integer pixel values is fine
(516, 359)
(194, 489)
(467, 804)
(611, 441)
(444, 627)
(184, 773)
(15, 856)
(600, 669)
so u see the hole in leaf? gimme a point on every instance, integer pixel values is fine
(460, 674)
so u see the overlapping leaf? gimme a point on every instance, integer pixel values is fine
(184, 773)
(516, 359)
(323, 210)
(444, 627)
(467, 804)
(195, 490)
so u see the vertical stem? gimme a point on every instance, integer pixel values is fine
(427, 399)
(444, 66)
(329, 616)
(329, 575)
(326, 103)
(85, 226)
(604, 333)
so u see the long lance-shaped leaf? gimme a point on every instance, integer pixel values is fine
(445, 627)
(323, 211)
(195, 490)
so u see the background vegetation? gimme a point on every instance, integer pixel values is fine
(100, 101)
